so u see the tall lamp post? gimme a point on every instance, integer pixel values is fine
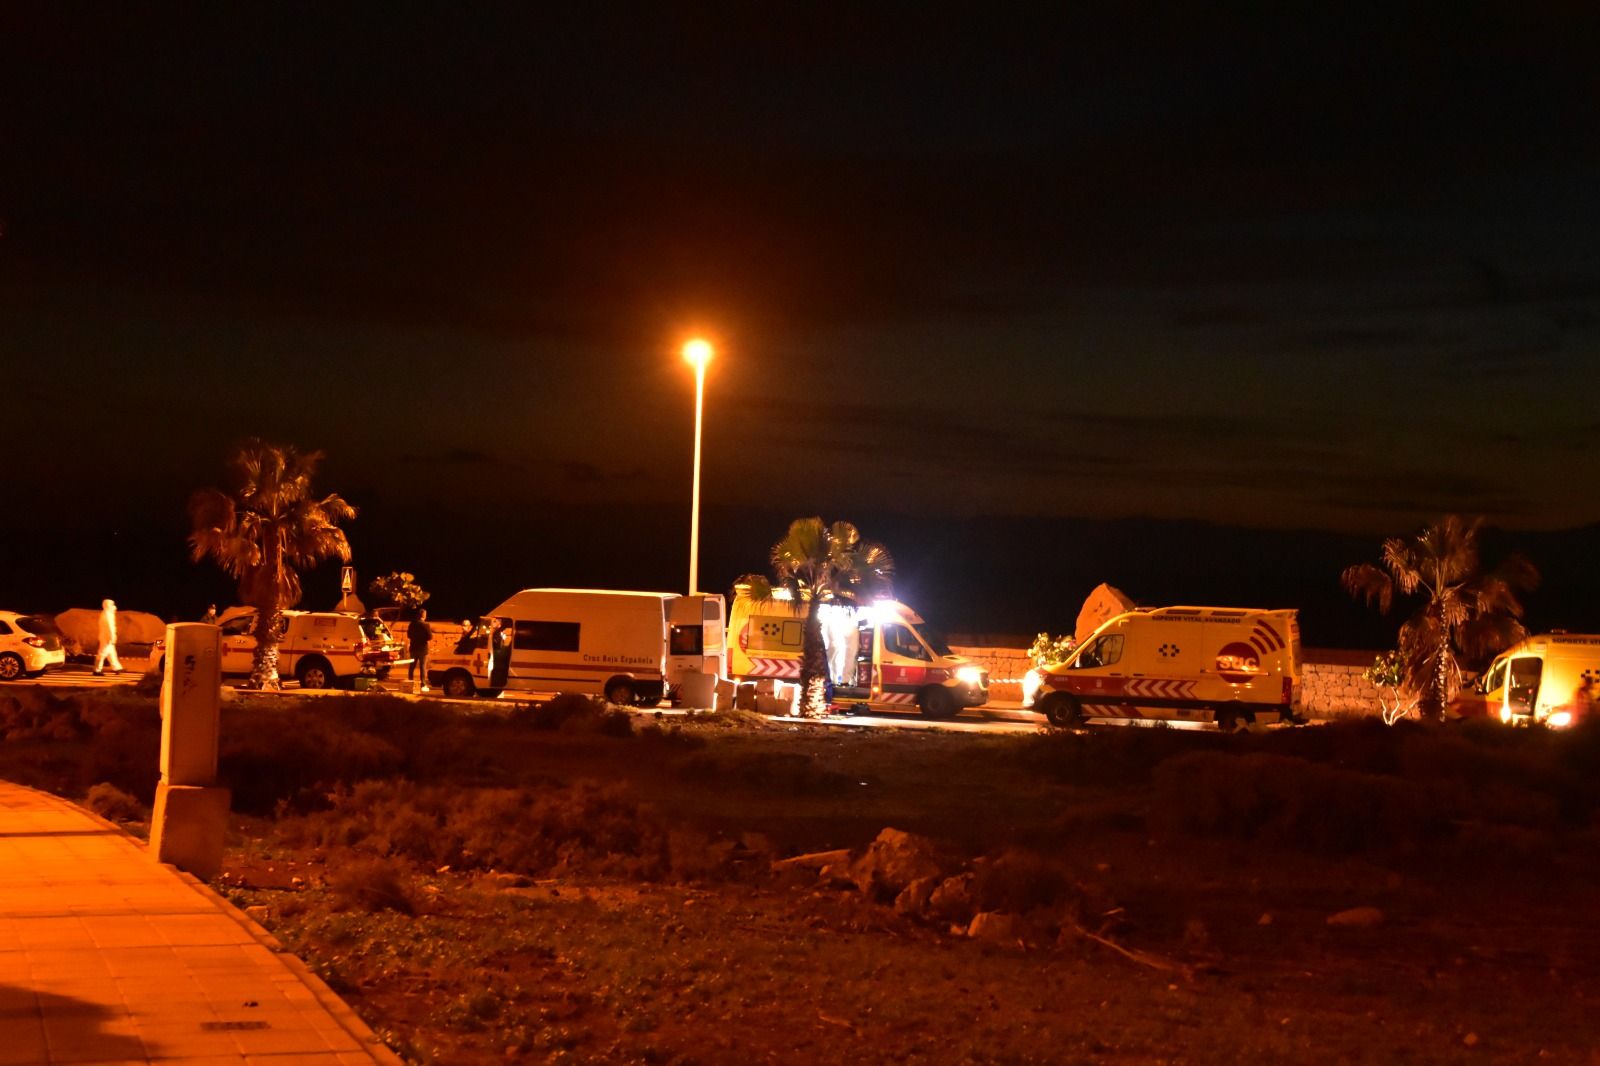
(698, 352)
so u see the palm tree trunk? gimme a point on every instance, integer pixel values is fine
(264, 663)
(813, 664)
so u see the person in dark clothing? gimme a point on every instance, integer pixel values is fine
(500, 654)
(417, 636)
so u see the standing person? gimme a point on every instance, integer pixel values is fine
(500, 653)
(210, 617)
(418, 633)
(108, 639)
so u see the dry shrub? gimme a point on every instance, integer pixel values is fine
(1289, 801)
(109, 801)
(371, 883)
(271, 752)
(572, 712)
(1102, 756)
(778, 772)
(1018, 881)
(32, 712)
(71, 740)
(533, 830)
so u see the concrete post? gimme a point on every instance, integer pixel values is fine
(191, 815)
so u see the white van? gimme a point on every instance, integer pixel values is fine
(1552, 678)
(629, 647)
(881, 655)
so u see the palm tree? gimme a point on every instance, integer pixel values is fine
(819, 563)
(263, 531)
(1461, 609)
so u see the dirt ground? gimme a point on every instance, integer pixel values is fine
(1233, 957)
(589, 887)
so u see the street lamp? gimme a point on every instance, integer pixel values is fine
(698, 352)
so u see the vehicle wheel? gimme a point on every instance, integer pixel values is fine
(1061, 710)
(315, 673)
(458, 685)
(938, 703)
(10, 667)
(620, 692)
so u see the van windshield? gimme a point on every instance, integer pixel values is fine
(934, 638)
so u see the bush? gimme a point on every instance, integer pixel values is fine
(572, 712)
(1288, 801)
(775, 772)
(109, 801)
(270, 752)
(533, 830)
(370, 883)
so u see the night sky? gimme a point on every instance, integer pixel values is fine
(1202, 305)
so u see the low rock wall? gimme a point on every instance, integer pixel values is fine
(1336, 690)
(1005, 665)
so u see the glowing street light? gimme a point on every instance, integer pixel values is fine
(698, 352)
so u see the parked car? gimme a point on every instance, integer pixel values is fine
(29, 645)
(320, 649)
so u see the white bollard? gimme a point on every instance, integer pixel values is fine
(191, 814)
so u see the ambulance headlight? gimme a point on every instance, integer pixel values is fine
(1505, 714)
(1559, 720)
(969, 675)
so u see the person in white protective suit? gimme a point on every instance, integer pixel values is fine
(108, 639)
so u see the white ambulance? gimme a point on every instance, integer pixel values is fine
(880, 655)
(629, 647)
(1231, 666)
(1551, 678)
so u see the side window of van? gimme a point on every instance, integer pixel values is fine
(546, 636)
(1107, 651)
(239, 626)
(899, 640)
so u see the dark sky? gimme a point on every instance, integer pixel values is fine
(1330, 271)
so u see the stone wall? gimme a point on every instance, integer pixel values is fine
(1005, 665)
(1336, 690)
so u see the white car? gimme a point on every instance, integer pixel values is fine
(29, 645)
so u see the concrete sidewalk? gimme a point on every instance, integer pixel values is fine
(107, 956)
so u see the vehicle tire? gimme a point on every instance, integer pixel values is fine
(315, 673)
(619, 690)
(11, 667)
(458, 685)
(937, 703)
(1060, 709)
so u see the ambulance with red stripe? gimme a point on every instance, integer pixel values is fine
(881, 655)
(1227, 665)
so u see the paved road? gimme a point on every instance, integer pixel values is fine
(995, 717)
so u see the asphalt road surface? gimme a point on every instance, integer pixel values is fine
(995, 717)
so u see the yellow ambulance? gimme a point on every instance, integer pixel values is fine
(1551, 678)
(1229, 665)
(881, 655)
